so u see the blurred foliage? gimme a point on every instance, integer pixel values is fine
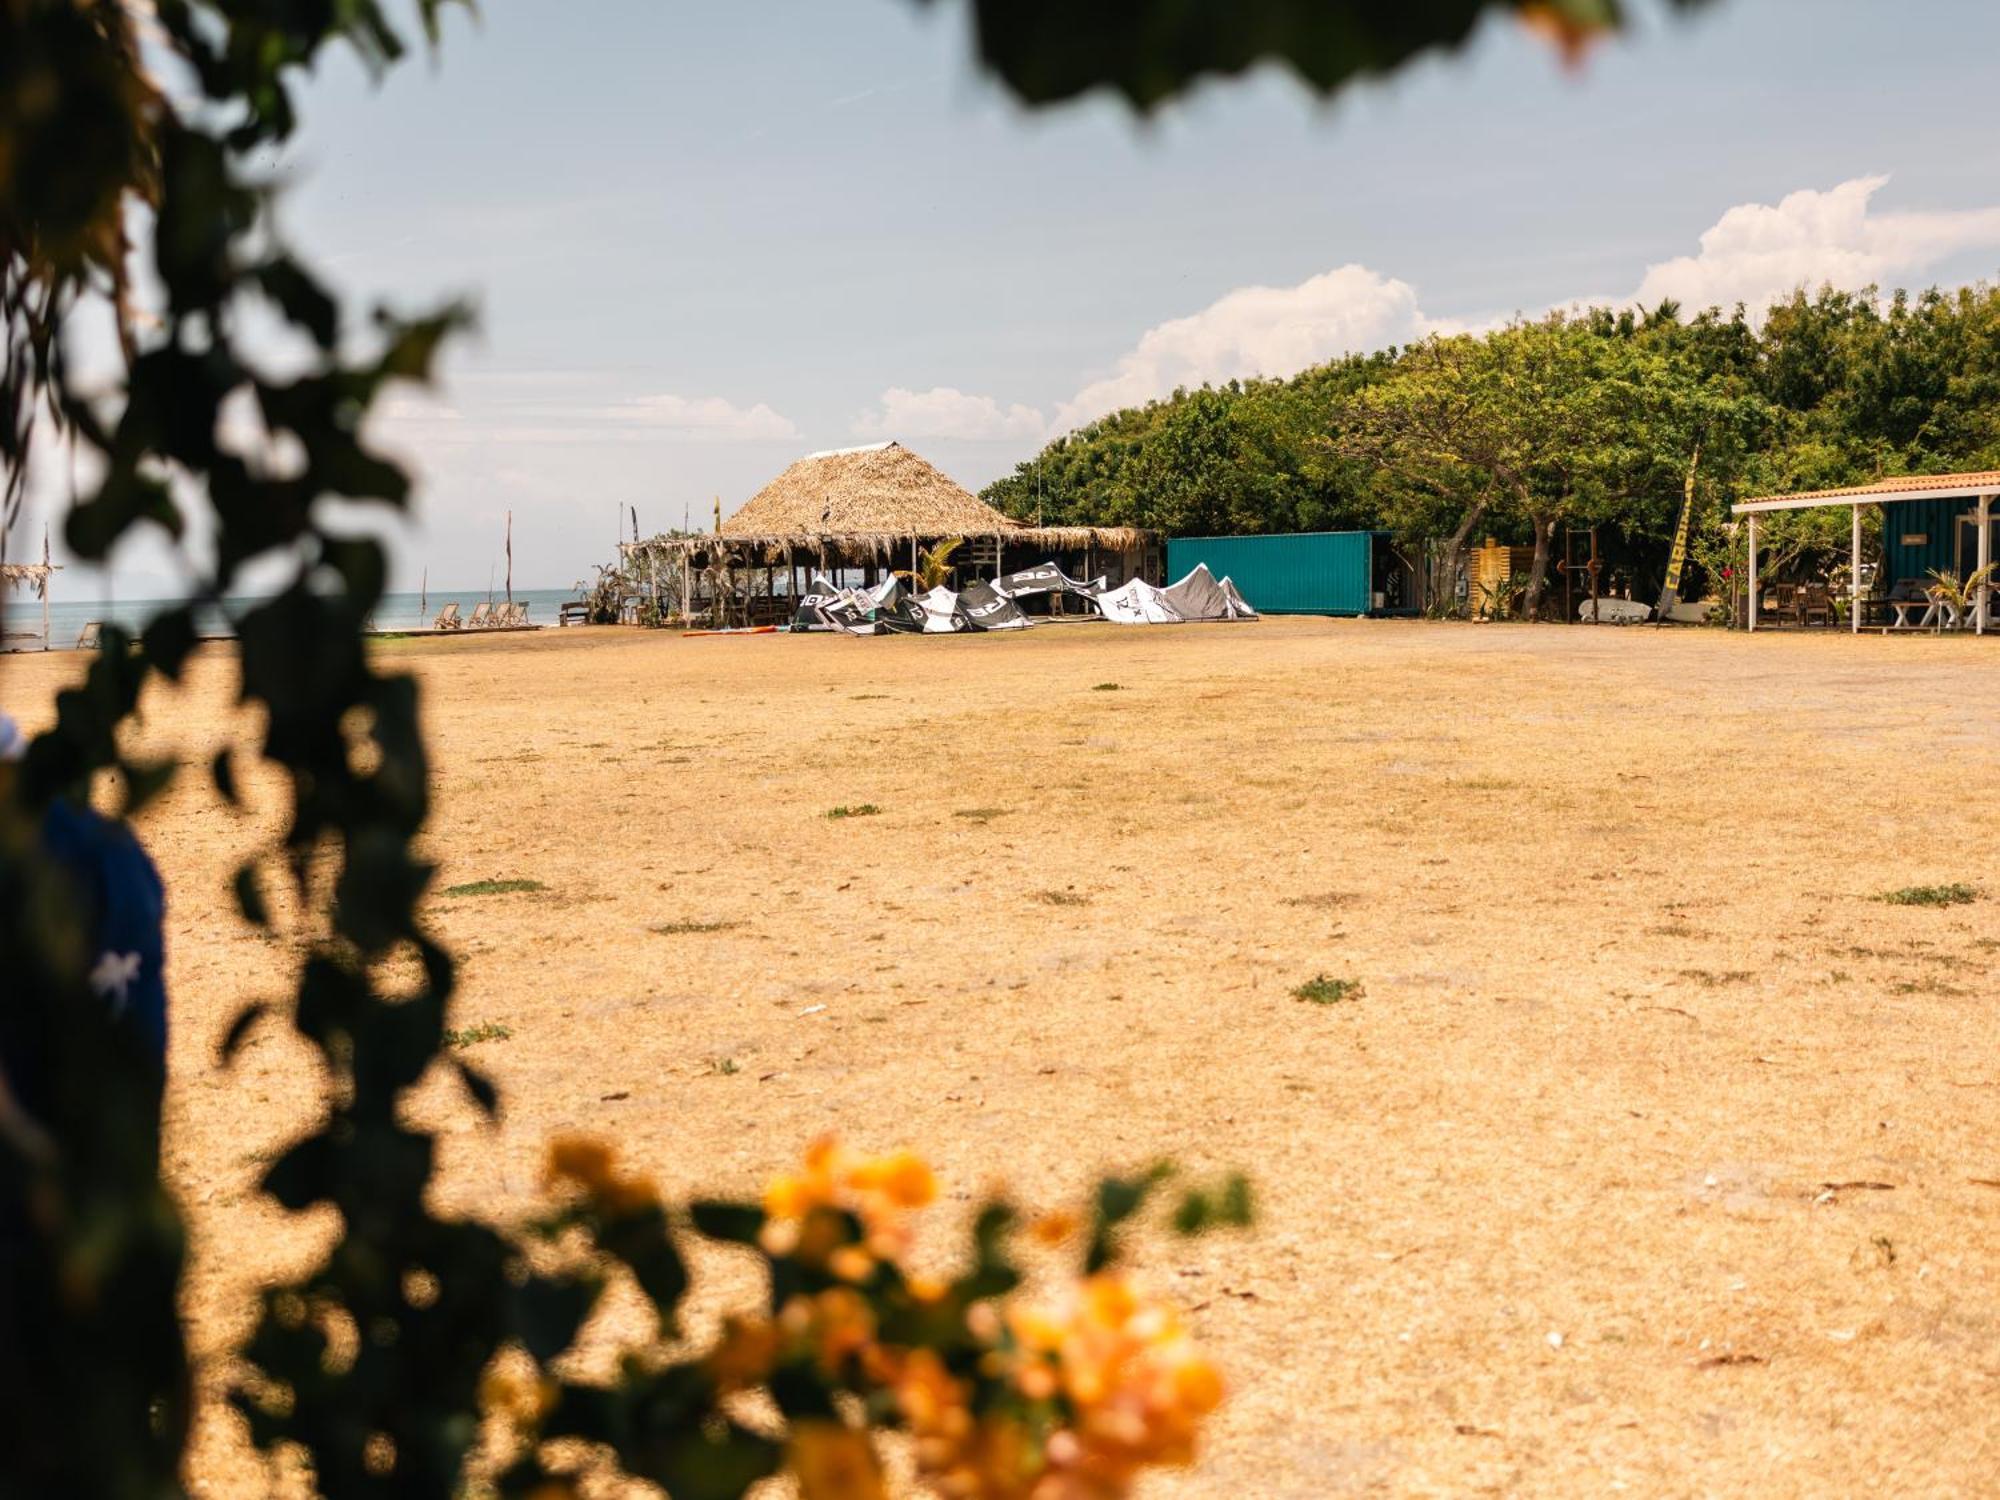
(1596, 418)
(1151, 50)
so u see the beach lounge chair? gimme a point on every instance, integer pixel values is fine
(87, 638)
(448, 618)
(482, 615)
(513, 616)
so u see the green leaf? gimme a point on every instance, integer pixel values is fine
(222, 770)
(733, 1223)
(549, 1311)
(1118, 1199)
(710, 1463)
(480, 1087)
(1151, 50)
(301, 1177)
(250, 895)
(240, 1028)
(144, 781)
(301, 298)
(168, 639)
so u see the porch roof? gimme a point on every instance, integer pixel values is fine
(1968, 486)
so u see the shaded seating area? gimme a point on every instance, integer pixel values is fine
(1937, 538)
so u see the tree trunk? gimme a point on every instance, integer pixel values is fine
(1538, 575)
(1444, 583)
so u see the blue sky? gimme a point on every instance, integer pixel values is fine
(706, 238)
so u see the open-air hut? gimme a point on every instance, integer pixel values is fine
(1928, 524)
(868, 511)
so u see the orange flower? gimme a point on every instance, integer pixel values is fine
(581, 1159)
(834, 1462)
(806, 1207)
(590, 1164)
(743, 1356)
(1559, 23)
(1051, 1229)
(1135, 1383)
(902, 1178)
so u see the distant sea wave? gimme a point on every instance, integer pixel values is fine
(22, 615)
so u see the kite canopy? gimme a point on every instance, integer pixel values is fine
(890, 607)
(1196, 597)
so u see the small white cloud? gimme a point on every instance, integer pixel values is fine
(1257, 331)
(943, 412)
(1759, 253)
(704, 416)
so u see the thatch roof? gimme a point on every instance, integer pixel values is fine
(884, 489)
(859, 548)
(35, 575)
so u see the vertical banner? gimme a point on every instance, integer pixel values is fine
(1677, 560)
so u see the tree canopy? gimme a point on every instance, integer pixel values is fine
(1600, 417)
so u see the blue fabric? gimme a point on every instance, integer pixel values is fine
(125, 906)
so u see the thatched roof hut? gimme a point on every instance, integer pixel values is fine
(34, 576)
(867, 509)
(883, 487)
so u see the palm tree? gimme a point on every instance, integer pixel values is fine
(1960, 599)
(933, 566)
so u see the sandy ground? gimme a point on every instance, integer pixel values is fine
(1543, 1211)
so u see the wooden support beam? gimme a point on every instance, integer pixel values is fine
(1985, 555)
(1753, 570)
(1854, 572)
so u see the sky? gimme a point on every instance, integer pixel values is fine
(704, 239)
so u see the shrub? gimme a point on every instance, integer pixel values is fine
(1931, 895)
(1321, 990)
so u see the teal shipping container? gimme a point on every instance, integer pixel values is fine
(1304, 573)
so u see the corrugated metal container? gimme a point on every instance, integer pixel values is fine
(1919, 535)
(1299, 573)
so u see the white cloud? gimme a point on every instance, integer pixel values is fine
(943, 412)
(1758, 253)
(703, 416)
(1257, 331)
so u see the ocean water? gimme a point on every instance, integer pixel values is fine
(22, 614)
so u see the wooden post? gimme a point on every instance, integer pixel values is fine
(1985, 555)
(1753, 570)
(510, 557)
(1854, 572)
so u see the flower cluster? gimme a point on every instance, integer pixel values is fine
(1131, 1382)
(809, 1210)
(994, 1396)
(1065, 1401)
